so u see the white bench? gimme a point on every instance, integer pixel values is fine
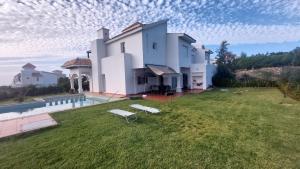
(145, 108)
(123, 113)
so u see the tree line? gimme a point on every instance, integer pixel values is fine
(288, 81)
(19, 94)
(278, 59)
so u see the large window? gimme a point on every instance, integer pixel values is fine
(185, 51)
(174, 82)
(154, 45)
(123, 47)
(142, 80)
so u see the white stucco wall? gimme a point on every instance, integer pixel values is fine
(158, 35)
(179, 52)
(172, 52)
(46, 78)
(98, 51)
(120, 69)
(185, 53)
(118, 74)
(207, 71)
(199, 56)
(129, 78)
(133, 46)
(26, 77)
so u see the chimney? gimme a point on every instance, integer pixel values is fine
(103, 33)
(88, 53)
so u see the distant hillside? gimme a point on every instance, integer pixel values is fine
(270, 73)
(278, 59)
(287, 78)
(281, 69)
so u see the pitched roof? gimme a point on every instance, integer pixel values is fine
(78, 62)
(29, 66)
(136, 27)
(132, 27)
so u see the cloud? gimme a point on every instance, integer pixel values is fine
(46, 27)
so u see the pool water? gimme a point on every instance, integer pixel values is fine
(50, 106)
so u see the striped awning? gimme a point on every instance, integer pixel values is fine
(161, 70)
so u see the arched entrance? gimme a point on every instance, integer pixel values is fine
(80, 83)
(80, 72)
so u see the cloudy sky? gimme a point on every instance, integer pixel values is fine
(48, 32)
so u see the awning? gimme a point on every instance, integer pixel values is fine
(161, 70)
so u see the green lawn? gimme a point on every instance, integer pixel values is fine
(256, 128)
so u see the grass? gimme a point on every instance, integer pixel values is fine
(240, 128)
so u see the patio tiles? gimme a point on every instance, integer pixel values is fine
(195, 91)
(160, 98)
(164, 98)
(30, 123)
(105, 95)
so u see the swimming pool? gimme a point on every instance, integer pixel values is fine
(48, 105)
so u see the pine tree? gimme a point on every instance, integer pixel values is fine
(221, 56)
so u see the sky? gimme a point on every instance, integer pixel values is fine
(49, 32)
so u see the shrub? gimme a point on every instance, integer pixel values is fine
(289, 83)
(7, 92)
(224, 76)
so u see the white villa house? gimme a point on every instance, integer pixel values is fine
(30, 76)
(143, 58)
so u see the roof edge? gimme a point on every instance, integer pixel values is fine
(139, 27)
(150, 25)
(123, 35)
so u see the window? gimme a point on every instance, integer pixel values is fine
(142, 80)
(154, 45)
(123, 47)
(185, 51)
(207, 56)
(174, 82)
(193, 58)
(37, 79)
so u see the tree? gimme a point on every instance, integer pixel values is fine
(224, 75)
(243, 55)
(296, 54)
(222, 51)
(224, 56)
(277, 59)
(64, 83)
